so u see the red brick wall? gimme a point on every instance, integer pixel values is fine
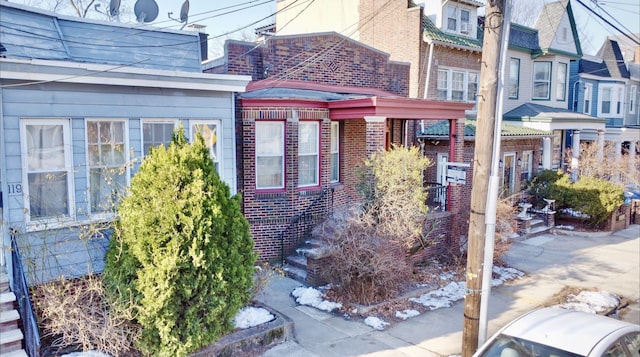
(319, 58)
(450, 58)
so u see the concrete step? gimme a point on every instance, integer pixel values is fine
(298, 261)
(16, 353)
(7, 300)
(295, 273)
(4, 282)
(11, 340)
(9, 316)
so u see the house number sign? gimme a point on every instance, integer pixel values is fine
(14, 189)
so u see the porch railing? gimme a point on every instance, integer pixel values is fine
(21, 290)
(436, 196)
(302, 224)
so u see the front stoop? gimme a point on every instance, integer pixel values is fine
(252, 341)
(10, 334)
(304, 265)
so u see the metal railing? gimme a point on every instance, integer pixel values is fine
(436, 196)
(302, 224)
(25, 308)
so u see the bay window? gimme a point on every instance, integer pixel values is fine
(269, 155)
(46, 157)
(308, 153)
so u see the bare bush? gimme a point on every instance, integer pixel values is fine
(506, 226)
(76, 313)
(366, 268)
(606, 163)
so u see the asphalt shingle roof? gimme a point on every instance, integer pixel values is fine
(524, 37)
(530, 110)
(441, 129)
(593, 68)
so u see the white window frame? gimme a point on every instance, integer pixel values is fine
(514, 82)
(615, 91)
(561, 81)
(541, 81)
(154, 121)
(445, 84)
(451, 15)
(335, 151)
(465, 26)
(36, 223)
(587, 101)
(124, 166)
(280, 152)
(633, 90)
(619, 101)
(314, 153)
(215, 148)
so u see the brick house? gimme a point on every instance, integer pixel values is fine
(317, 106)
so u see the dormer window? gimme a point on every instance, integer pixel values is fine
(452, 18)
(457, 20)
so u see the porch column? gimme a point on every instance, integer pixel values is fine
(575, 154)
(600, 139)
(546, 153)
(376, 130)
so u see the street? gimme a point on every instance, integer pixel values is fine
(609, 262)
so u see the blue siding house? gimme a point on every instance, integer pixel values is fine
(603, 87)
(81, 103)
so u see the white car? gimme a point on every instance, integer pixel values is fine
(555, 332)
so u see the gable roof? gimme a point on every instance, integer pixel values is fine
(548, 24)
(594, 68)
(432, 33)
(441, 130)
(613, 59)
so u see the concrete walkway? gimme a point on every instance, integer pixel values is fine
(608, 262)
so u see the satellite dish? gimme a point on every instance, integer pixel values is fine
(114, 8)
(184, 12)
(146, 10)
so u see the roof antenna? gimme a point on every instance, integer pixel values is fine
(184, 14)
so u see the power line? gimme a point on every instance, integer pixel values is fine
(636, 41)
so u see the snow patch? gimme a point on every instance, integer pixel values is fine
(405, 314)
(591, 301)
(375, 322)
(252, 316)
(443, 297)
(87, 354)
(314, 298)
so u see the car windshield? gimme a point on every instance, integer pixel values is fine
(508, 346)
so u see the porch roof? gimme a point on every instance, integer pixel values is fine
(345, 102)
(440, 130)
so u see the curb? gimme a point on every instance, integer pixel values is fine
(251, 341)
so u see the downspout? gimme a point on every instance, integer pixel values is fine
(426, 84)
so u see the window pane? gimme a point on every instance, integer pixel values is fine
(107, 184)
(335, 152)
(308, 138)
(307, 170)
(335, 170)
(269, 138)
(48, 196)
(514, 76)
(156, 134)
(541, 90)
(45, 147)
(561, 88)
(269, 172)
(209, 133)
(472, 89)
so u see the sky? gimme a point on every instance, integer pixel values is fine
(241, 17)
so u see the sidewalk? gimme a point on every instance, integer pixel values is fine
(608, 262)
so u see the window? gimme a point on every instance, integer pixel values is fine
(452, 18)
(514, 78)
(443, 76)
(472, 87)
(464, 21)
(107, 158)
(458, 85)
(561, 82)
(155, 133)
(632, 99)
(588, 92)
(308, 150)
(541, 80)
(619, 101)
(210, 131)
(335, 151)
(46, 155)
(605, 100)
(269, 155)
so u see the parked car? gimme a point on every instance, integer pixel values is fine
(555, 332)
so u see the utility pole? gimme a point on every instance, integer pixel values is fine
(482, 164)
